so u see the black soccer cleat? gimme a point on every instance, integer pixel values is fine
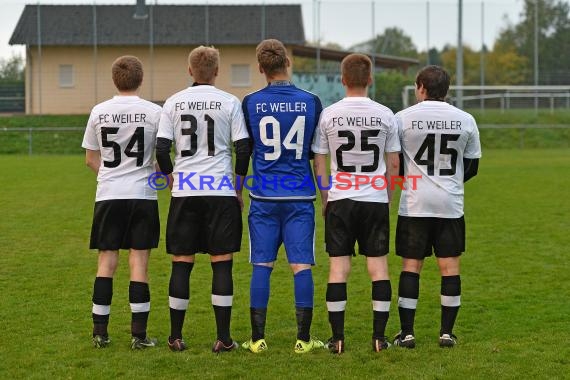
(101, 341)
(380, 344)
(140, 344)
(408, 341)
(335, 346)
(176, 345)
(447, 340)
(220, 346)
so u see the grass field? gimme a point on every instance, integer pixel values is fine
(514, 319)
(69, 142)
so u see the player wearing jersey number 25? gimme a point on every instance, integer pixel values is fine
(360, 214)
(119, 142)
(440, 143)
(281, 120)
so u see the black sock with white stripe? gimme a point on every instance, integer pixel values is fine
(336, 304)
(408, 293)
(178, 296)
(381, 296)
(139, 298)
(450, 302)
(222, 298)
(102, 296)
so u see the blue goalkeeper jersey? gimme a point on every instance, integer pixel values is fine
(282, 120)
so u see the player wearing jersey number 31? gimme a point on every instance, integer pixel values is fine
(119, 142)
(203, 122)
(440, 143)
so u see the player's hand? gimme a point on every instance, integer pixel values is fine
(240, 199)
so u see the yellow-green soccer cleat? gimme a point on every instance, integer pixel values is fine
(256, 347)
(302, 347)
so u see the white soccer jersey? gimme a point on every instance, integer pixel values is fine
(359, 131)
(435, 137)
(124, 130)
(203, 121)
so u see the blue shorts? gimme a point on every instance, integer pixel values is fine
(273, 223)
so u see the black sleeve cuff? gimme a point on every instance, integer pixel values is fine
(401, 171)
(163, 155)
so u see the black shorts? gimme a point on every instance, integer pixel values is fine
(203, 224)
(415, 237)
(348, 221)
(125, 224)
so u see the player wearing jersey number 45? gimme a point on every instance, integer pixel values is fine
(119, 142)
(441, 144)
(281, 120)
(363, 137)
(203, 122)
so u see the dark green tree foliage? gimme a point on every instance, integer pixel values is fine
(392, 42)
(389, 86)
(554, 39)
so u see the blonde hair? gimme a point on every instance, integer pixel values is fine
(272, 57)
(204, 62)
(356, 70)
(127, 73)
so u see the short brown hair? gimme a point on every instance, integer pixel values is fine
(356, 70)
(435, 80)
(204, 61)
(272, 56)
(127, 73)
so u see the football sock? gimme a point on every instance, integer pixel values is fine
(139, 298)
(304, 316)
(222, 298)
(304, 288)
(178, 296)
(259, 288)
(381, 296)
(257, 317)
(102, 296)
(304, 293)
(450, 302)
(336, 304)
(408, 293)
(259, 298)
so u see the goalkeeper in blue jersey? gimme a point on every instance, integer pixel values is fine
(281, 120)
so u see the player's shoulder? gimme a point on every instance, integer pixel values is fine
(382, 108)
(176, 96)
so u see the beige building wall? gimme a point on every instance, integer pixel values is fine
(90, 80)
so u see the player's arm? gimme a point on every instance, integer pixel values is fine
(470, 168)
(392, 171)
(322, 178)
(243, 152)
(93, 159)
(163, 146)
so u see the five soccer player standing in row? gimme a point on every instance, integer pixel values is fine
(433, 144)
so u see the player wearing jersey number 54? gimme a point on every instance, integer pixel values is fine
(363, 137)
(119, 142)
(203, 121)
(281, 120)
(440, 144)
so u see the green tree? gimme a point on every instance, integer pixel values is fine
(394, 41)
(12, 69)
(388, 88)
(553, 38)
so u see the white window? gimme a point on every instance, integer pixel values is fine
(65, 75)
(241, 76)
